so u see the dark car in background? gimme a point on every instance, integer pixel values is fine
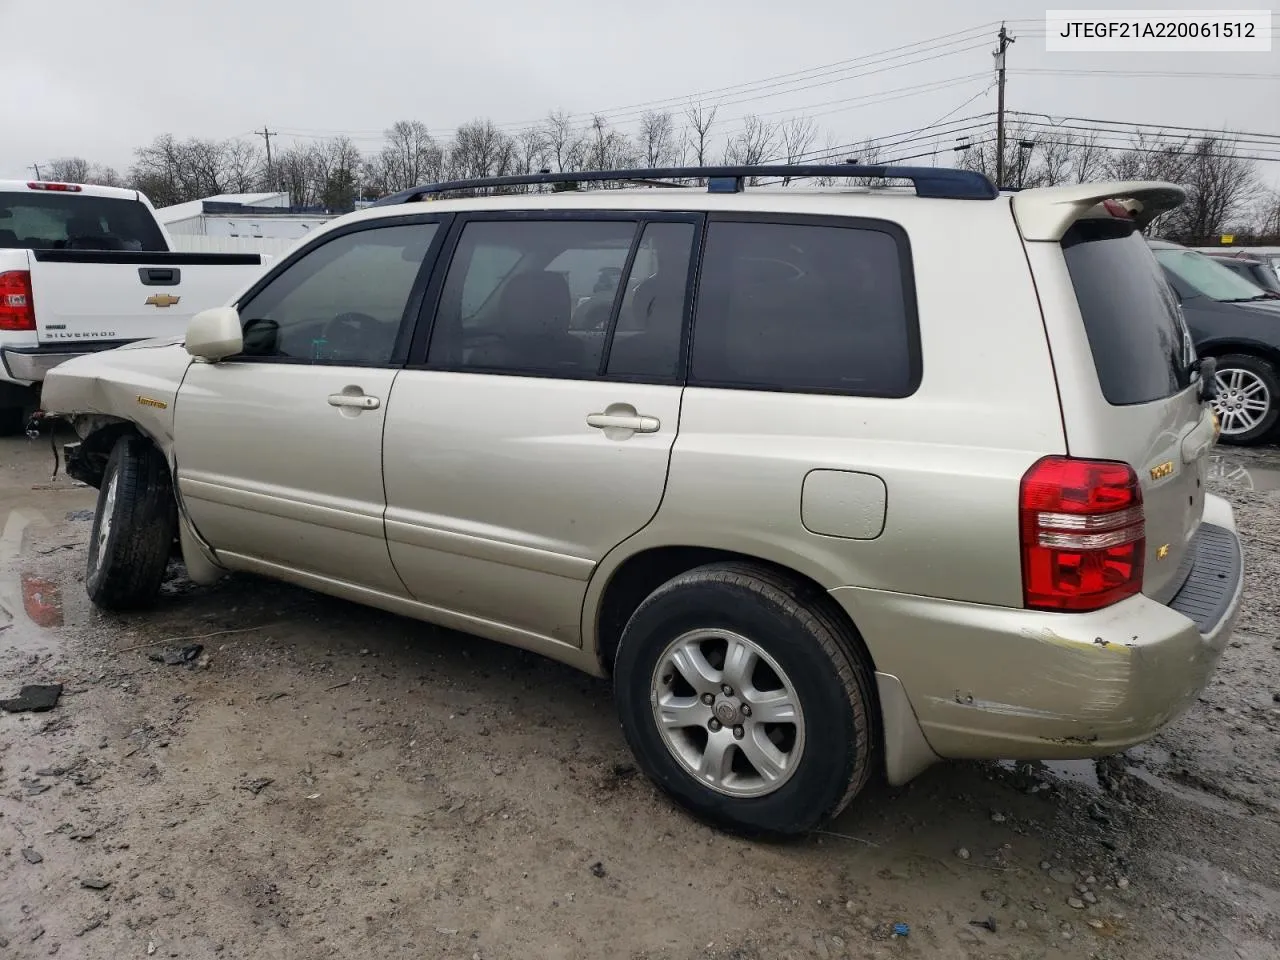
(1255, 269)
(1235, 321)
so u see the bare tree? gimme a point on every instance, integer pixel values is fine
(1150, 158)
(697, 134)
(105, 176)
(480, 149)
(657, 139)
(294, 170)
(67, 170)
(565, 145)
(409, 157)
(756, 143)
(173, 171)
(608, 148)
(797, 136)
(1221, 187)
(532, 150)
(1266, 218)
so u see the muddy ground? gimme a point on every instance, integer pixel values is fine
(327, 781)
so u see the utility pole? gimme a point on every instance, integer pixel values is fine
(36, 168)
(998, 53)
(266, 135)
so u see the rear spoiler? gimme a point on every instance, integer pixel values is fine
(1046, 213)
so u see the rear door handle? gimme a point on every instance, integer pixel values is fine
(358, 400)
(615, 421)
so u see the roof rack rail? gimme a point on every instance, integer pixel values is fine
(938, 182)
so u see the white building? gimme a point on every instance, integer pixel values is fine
(240, 215)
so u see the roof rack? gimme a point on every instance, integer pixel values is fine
(938, 182)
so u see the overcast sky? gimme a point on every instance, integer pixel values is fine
(97, 78)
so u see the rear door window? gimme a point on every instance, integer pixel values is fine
(69, 221)
(1140, 344)
(807, 306)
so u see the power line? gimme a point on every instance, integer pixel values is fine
(823, 72)
(1149, 74)
(1139, 124)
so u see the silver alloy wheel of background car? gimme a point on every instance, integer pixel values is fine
(1242, 402)
(728, 713)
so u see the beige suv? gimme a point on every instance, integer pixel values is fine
(830, 481)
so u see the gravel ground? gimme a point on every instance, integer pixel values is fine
(327, 781)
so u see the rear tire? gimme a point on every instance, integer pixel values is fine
(133, 527)
(747, 639)
(1245, 382)
(13, 421)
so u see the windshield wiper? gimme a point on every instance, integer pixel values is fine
(1261, 296)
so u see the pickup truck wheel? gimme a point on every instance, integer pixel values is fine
(1248, 402)
(12, 421)
(133, 527)
(746, 703)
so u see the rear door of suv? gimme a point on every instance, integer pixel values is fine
(532, 430)
(1124, 363)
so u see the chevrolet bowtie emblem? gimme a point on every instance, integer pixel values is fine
(162, 300)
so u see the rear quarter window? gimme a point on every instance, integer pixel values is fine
(1140, 344)
(804, 306)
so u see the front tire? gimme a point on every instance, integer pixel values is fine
(747, 702)
(1248, 402)
(133, 527)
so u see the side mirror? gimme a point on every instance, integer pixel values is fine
(215, 334)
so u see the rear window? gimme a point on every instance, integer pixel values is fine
(1141, 348)
(68, 221)
(806, 307)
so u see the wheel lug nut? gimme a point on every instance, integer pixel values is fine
(713, 725)
(746, 710)
(728, 690)
(708, 699)
(739, 733)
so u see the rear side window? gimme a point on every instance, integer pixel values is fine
(806, 307)
(1141, 348)
(68, 221)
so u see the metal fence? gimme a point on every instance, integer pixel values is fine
(275, 247)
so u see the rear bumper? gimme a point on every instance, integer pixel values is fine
(30, 364)
(995, 683)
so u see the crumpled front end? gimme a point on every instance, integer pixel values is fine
(136, 384)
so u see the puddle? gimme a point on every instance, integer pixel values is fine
(33, 602)
(1258, 475)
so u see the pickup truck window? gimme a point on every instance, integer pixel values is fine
(67, 221)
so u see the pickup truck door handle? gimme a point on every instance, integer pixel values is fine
(615, 421)
(358, 400)
(160, 276)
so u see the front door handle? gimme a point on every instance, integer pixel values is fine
(616, 421)
(358, 400)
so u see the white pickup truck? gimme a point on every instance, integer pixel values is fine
(86, 268)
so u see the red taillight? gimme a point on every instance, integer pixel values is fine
(1083, 534)
(47, 185)
(16, 309)
(1117, 209)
